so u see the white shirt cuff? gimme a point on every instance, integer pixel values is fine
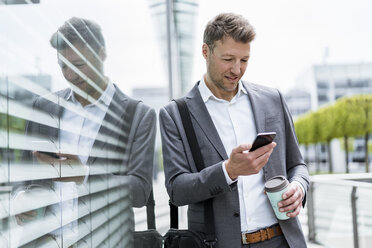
(300, 184)
(228, 179)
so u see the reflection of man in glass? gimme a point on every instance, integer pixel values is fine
(99, 130)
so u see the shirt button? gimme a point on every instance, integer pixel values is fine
(236, 214)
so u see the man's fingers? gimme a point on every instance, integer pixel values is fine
(44, 156)
(260, 162)
(291, 190)
(291, 206)
(263, 150)
(290, 203)
(29, 214)
(38, 155)
(242, 148)
(295, 212)
(64, 156)
(25, 217)
(263, 159)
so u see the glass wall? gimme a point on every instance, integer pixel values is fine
(76, 153)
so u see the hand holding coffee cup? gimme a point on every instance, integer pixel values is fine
(285, 197)
(292, 199)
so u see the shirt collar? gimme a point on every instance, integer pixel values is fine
(105, 98)
(207, 94)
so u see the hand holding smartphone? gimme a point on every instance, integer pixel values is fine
(42, 145)
(262, 139)
(51, 154)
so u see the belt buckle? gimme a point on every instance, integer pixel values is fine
(244, 239)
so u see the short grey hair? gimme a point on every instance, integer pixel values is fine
(78, 30)
(228, 25)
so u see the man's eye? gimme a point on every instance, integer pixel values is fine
(244, 60)
(227, 59)
(79, 65)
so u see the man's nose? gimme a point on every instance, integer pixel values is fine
(235, 69)
(70, 74)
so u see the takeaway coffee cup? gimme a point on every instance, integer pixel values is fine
(275, 187)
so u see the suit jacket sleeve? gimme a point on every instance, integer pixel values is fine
(185, 185)
(296, 168)
(141, 155)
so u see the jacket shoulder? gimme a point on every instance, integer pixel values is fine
(260, 87)
(263, 91)
(141, 107)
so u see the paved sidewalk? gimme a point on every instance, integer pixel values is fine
(162, 212)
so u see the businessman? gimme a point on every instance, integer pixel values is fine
(226, 114)
(99, 133)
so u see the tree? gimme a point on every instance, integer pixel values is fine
(302, 132)
(365, 103)
(307, 130)
(348, 117)
(327, 130)
(348, 123)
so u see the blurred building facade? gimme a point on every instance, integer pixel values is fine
(324, 84)
(174, 22)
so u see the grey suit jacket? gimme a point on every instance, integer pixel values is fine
(186, 186)
(136, 159)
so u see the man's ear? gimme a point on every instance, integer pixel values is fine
(102, 53)
(205, 50)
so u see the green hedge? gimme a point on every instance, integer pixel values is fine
(347, 117)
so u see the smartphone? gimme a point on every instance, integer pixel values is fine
(262, 139)
(42, 144)
(51, 154)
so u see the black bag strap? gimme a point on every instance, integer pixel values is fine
(173, 215)
(150, 205)
(198, 159)
(190, 133)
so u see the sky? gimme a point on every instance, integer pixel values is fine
(292, 35)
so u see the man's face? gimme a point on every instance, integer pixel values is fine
(226, 65)
(79, 72)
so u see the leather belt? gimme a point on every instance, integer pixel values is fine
(261, 235)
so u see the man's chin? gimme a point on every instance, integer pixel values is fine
(231, 86)
(80, 84)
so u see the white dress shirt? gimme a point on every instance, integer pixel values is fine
(235, 125)
(85, 123)
(79, 127)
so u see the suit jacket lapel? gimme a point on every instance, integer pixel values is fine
(117, 107)
(256, 104)
(260, 118)
(201, 115)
